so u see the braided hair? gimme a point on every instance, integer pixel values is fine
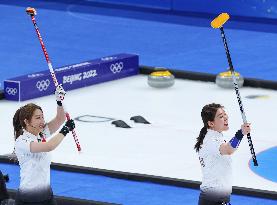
(207, 114)
(23, 113)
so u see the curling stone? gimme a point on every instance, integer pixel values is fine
(161, 79)
(225, 79)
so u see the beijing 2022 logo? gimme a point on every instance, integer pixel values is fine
(11, 91)
(116, 67)
(43, 85)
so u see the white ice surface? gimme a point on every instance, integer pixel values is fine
(164, 148)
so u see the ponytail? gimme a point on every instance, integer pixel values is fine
(207, 114)
(200, 138)
(18, 129)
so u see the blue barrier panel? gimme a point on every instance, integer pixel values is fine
(162, 4)
(72, 76)
(248, 8)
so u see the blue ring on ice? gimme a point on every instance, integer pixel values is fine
(267, 164)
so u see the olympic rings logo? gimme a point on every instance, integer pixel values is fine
(116, 67)
(43, 85)
(11, 91)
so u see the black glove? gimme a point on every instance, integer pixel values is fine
(69, 126)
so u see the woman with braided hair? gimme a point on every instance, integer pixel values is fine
(214, 155)
(33, 150)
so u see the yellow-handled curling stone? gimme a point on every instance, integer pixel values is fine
(161, 79)
(225, 79)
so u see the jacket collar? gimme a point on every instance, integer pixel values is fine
(214, 133)
(30, 134)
